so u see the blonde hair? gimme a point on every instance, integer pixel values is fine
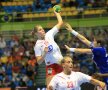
(65, 58)
(36, 28)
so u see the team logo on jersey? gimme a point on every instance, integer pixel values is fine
(49, 71)
(50, 48)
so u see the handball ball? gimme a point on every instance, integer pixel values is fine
(57, 8)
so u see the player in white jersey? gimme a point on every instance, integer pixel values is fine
(70, 80)
(47, 49)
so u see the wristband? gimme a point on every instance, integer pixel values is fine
(91, 44)
(72, 49)
(74, 32)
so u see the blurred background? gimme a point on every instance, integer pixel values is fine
(18, 66)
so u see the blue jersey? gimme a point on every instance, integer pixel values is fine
(100, 57)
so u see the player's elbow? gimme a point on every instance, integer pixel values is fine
(50, 87)
(39, 60)
(60, 22)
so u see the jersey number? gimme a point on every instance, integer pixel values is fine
(50, 48)
(69, 85)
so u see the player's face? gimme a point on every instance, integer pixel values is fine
(68, 65)
(40, 31)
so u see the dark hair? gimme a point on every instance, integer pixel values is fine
(101, 42)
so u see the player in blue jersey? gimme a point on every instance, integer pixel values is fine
(100, 56)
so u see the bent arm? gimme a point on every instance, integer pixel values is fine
(40, 57)
(60, 21)
(51, 33)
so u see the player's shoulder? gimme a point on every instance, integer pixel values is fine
(59, 74)
(38, 43)
(98, 48)
(78, 73)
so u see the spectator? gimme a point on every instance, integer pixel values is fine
(30, 83)
(6, 81)
(15, 69)
(30, 72)
(38, 4)
(4, 59)
(22, 83)
(8, 68)
(2, 42)
(2, 70)
(1, 83)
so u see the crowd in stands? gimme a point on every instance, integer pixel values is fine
(85, 3)
(44, 5)
(18, 66)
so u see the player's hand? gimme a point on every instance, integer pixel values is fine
(67, 47)
(56, 12)
(68, 27)
(46, 46)
(46, 49)
(102, 85)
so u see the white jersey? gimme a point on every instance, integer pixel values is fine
(69, 82)
(54, 54)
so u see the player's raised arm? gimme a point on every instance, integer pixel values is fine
(59, 18)
(79, 36)
(78, 50)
